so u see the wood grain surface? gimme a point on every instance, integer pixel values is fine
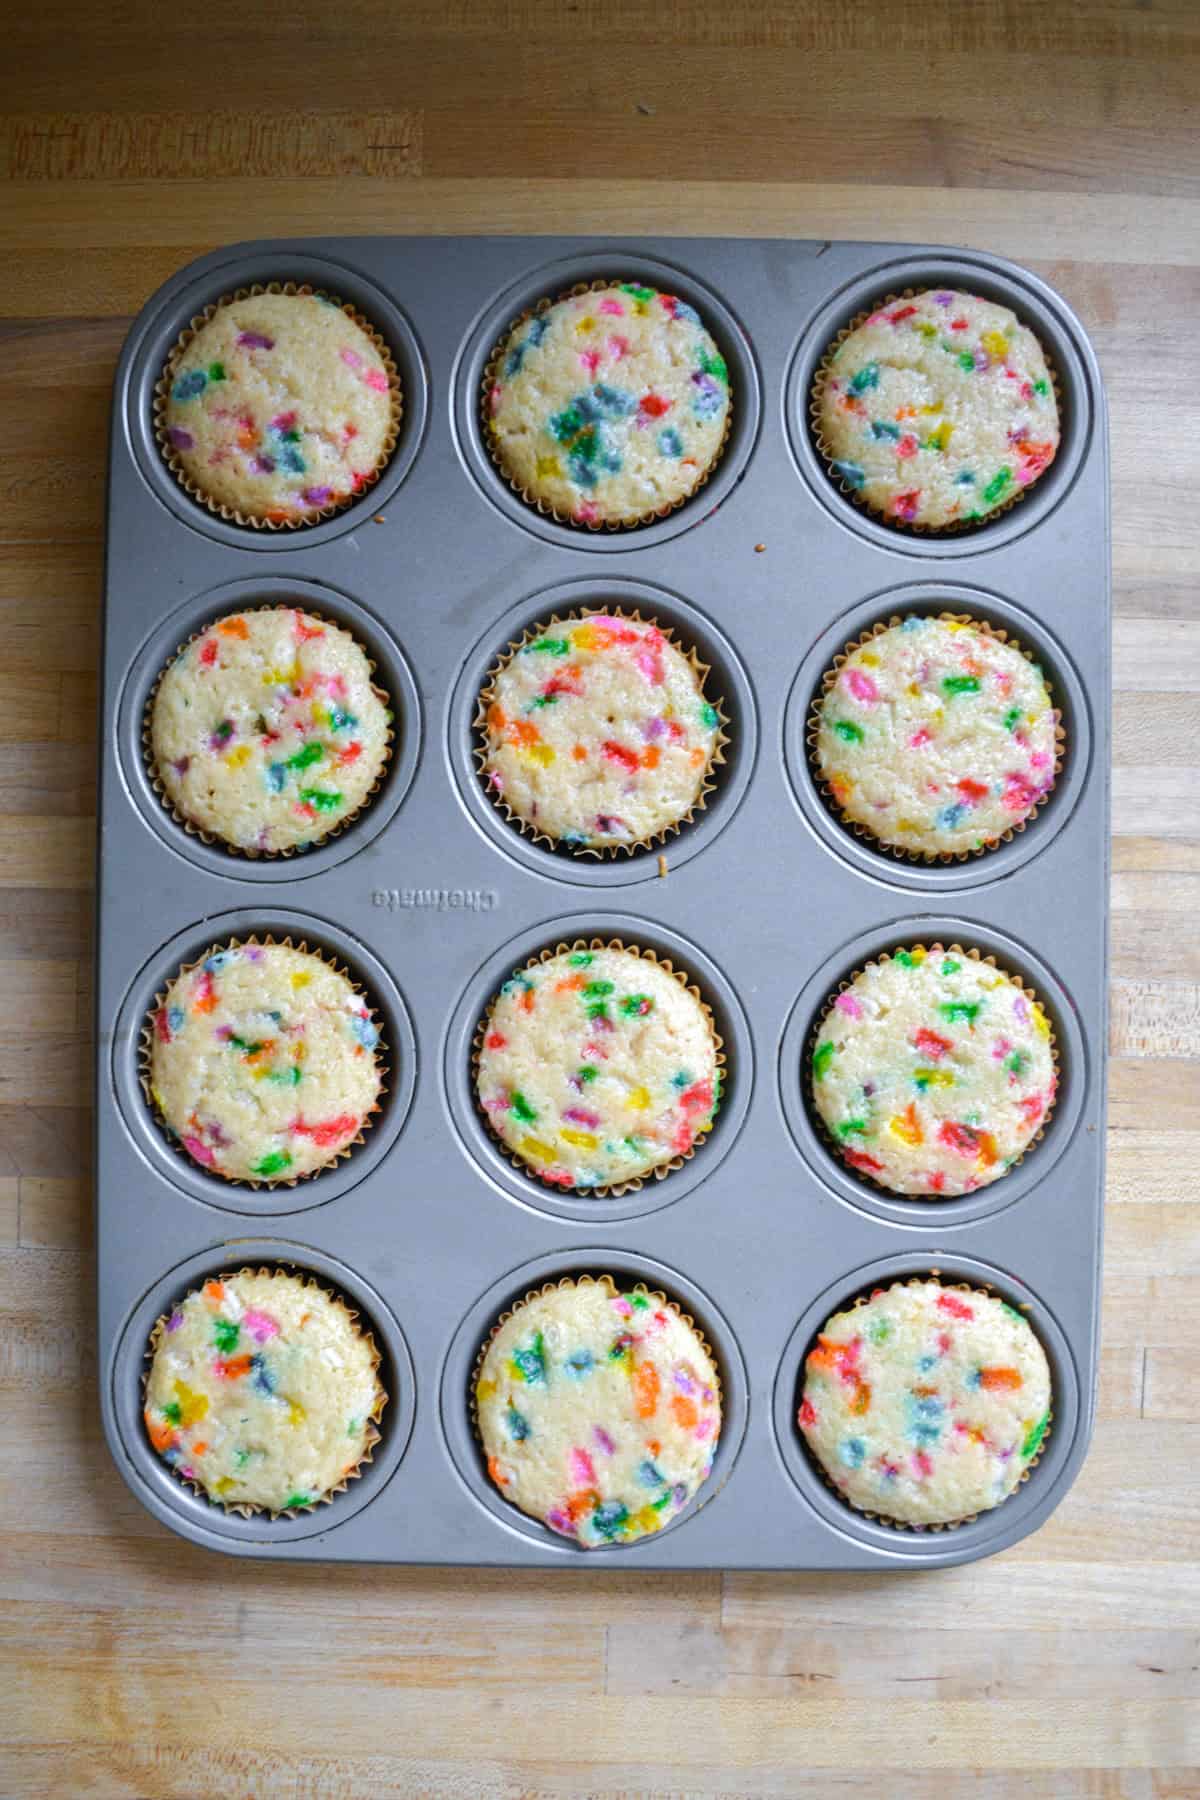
(133, 138)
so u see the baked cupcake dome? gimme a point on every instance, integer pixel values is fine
(608, 407)
(937, 409)
(267, 730)
(263, 1391)
(925, 1404)
(264, 1062)
(597, 732)
(596, 1066)
(932, 1072)
(598, 1410)
(279, 408)
(936, 737)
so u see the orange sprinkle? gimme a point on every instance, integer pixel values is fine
(570, 984)
(650, 757)
(494, 1471)
(520, 731)
(684, 1411)
(161, 1435)
(497, 718)
(861, 1402)
(527, 1000)
(248, 437)
(198, 1449)
(232, 1368)
(1000, 1378)
(906, 412)
(582, 1502)
(696, 757)
(214, 1292)
(233, 628)
(580, 753)
(654, 1446)
(646, 1387)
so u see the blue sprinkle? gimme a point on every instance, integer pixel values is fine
(670, 442)
(648, 1475)
(515, 358)
(851, 472)
(537, 330)
(276, 776)
(684, 311)
(262, 1379)
(220, 959)
(174, 1017)
(852, 1452)
(613, 403)
(709, 397)
(366, 1031)
(579, 1363)
(880, 428)
(966, 479)
(950, 816)
(189, 385)
(925, 1363)
(914, 622)
(518, 1424)
(973, 1378)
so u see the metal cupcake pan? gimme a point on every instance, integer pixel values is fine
(430, 898)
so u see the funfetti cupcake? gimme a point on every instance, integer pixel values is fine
(263, 1391)
(267, 730)
(935, 737)
(278, 407)
(598, 1409)
(607, 407)
(596, 732)
(263, 1062)
(926, 1404)
(596, 1066)
(936, 410)
(932, 1071)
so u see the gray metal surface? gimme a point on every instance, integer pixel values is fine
(432, 898)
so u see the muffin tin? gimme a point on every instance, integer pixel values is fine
(431, 898)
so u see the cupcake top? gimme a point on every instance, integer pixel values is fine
(598, 732)
(262, 1390)
(597, 1066)
(267, 730)
(932, 1071)
(936, 737)
(610, 405)
(263, 1062)
(599, 1411)
(926, 1404)
(939, 409)
(280, 407)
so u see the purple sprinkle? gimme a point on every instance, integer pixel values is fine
(175, 1320)
(182, 440)
(254, 340)
(602, 1438)
(868, 1088)
(653, 728)
(558, 1520)
(251, 952)
(182, 766)
(318, 496)
(944, 298)
(684, 1382)
(679, 1493)
(981, 360)
(263, 465)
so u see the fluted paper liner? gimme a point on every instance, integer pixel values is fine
(210, 837)
(878, 1518)
(612, 1286)
(162, 389)
(611, 1190)
(563, 621)
(923, 858)
(146, 1050)
(491, 374)
(959, 526)
(826, 1137)
(246, 1509)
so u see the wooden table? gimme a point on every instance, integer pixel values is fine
(1063, 136)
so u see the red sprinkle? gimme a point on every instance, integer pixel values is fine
(617, 753)
(958, 1309)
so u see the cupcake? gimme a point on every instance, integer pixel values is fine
(926, 1404)
(597, 733)
(607, 407)
(263, 1062)
(279, 408)
(936, 737)
(267, 732)
(932, 1071)
(597, 1066)
(598, 1410)
(263, 1392)
(937, 409)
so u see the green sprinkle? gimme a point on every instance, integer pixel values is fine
(595, 989)
(597, 1010)
(848, 731)
(907, 960)
(960, 684)
(951, 965)
(241, 1457)
(711, 363)
(709, 716)
(961, 1009)
(286, 1077)
(242, 1044)
(521, 1107)
(274, 1163)
(587, 1073)
(638, 1300)
(216, 371)
(966, 361)
(225, 1335)
(1017, 1062)
(297, 1500)
(867, 377)
(304, 759)
(879, 1331)
(639, 293)
(996, 486)
(172, 1412)
(1035, 1434)
(1041, 387)
(532, 1362)
(635, 1005)
(549, 646)
(633, 1145)
(1013, 1313)
(851, 1126)
(321, 801)
(822, 1057)
(582, 959)
(353, 1427)
(1011, 718)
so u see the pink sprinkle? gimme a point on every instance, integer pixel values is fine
(260, 1324)
(351, 358)
(587, 512)
(650, 666)
(848, 1004)
(621, 1305)
(602, 1438)
(618, 346)
(861, 686)
(375, 378)
(283, 421)
(922, 1463)
(612, 306)
(919, 738)
(590, 360)
(200, 1151)
(583, 1472)
(579, 1115)
(255, 340)
(704, 1429)
(1021, 1009)
(560, 1521)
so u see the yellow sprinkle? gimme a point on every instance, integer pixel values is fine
(916, 956)
(646, 1520)
(296, 1413)
(587, 323)
(158, 1099)
(930, 409)
(586, 637)
(934, 1077)
(281, 677)
(939, 439)
(583, 1140)
(192, 1405)
(536, 1150)
(1041, 1022)
(239, 757)
(869, 657)
(548, 465)
(908, 1134)
(537, 753)
(907, 825)
(301, 978)
(914, 688)
(484, 1389)
(995, 343)
(956, 624)
(638, 1099)
(320, 714)
(223, 1485)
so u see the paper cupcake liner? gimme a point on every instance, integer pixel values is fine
(210, 837)
(162, 389)
(826, 1136)
(491, 374)
(146, 1051)
(245, 1509)
(635, 1183)
(525, 826)
(959, 527)
(879, 1518)
(612, 1286)
(922, 858)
